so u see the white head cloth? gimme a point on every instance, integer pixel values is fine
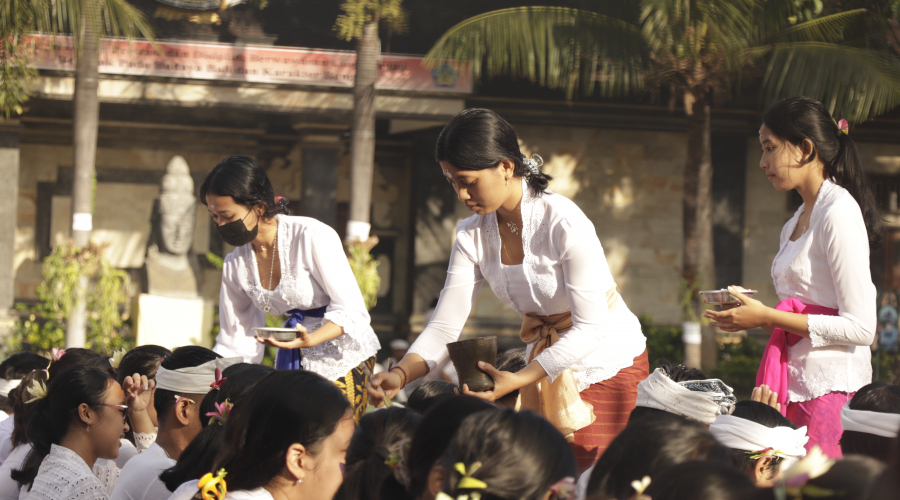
(700, 400)
(870, 422)
(7, 386)
(742, 434)
(194, 379)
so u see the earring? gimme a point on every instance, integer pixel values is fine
(507, 181)
(89, 428)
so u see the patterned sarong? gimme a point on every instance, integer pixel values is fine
(353, 385)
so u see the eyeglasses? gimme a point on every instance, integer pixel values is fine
(123, 408)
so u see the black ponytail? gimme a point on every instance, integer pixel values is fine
(797, 118)
(478, 139)
(52, 416)
(244, 180)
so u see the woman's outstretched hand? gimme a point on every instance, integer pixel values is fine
(751, 313)
(383, 384)
(504, 383)
(302, 340)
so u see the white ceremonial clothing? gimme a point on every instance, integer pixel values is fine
(9, 489)
(314, 273)
(257, 494)
(64, 475)
(127, 450)
(6, 430)
(186, 491)
(829, 266)
(564, 269)
(140, 477)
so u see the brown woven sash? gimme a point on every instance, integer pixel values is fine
(559, 401)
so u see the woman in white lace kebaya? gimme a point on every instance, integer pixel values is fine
(292, 266)
(818, 355)
(74, 427)
(541, 256)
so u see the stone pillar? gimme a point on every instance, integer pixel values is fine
(9, 198)
(320, 170)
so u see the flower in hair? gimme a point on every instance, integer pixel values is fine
(794, 480)
(564, 488)
(467, 482)
(533, 164)
(219, 379)
(116, 359)
(56, 354)
(765, 452)
(213, 487)
(223, 410)
(179, 398)
(640, 486)
(38, 390)
(844, 126)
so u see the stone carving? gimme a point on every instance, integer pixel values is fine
(171, 270)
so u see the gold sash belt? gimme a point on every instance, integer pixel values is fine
(559, 401)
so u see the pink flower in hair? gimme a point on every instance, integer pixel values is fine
(57, 354)
(219, 379)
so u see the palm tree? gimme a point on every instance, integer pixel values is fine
(86, 21)
(698, 50)
(360, 21)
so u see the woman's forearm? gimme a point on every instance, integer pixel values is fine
(326, 332)
(414, 365)
(787, 321)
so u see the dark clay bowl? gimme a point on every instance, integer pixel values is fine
(466, 354)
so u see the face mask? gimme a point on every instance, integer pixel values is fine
(236, 233)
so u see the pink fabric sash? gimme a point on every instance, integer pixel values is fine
(773, 368)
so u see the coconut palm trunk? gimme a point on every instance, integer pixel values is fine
(699, 262)
(85, 123)
(362, 139)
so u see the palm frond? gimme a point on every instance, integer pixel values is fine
(854, 83)
(555, 47)
(824, 29)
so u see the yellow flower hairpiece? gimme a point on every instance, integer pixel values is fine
(213, 487)
(116, 358)
(640, 486)
(38, 390)
(467, 481)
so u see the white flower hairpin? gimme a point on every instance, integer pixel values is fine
(38, 390)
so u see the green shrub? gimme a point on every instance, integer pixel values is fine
(663, 341)
(44, 326)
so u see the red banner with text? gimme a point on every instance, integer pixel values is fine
(251, 63)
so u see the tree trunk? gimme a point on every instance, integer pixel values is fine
(362, 139)
(84, 151)
(699, 264)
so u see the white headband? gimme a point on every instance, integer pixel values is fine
(742, 434)
(870, 422)
(194, 379)
(7, 386)
(700, 400)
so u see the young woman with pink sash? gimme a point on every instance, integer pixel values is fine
(818, 355)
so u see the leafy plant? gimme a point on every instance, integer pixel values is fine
(65, 272)
(663, 341)
(365, 270)
(738, 364)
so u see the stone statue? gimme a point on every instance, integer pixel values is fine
(171, 270)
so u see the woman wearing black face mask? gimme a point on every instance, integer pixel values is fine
(292, 266)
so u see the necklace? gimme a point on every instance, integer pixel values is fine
(513, 228)
(268, 306)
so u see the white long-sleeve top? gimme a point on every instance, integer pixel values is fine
(63, 474)
(314, 273)
(829, 266)
(564, 269)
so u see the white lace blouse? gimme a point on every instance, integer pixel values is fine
(64, 475)
(314, 273)
(564, 269)
(829, 266)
